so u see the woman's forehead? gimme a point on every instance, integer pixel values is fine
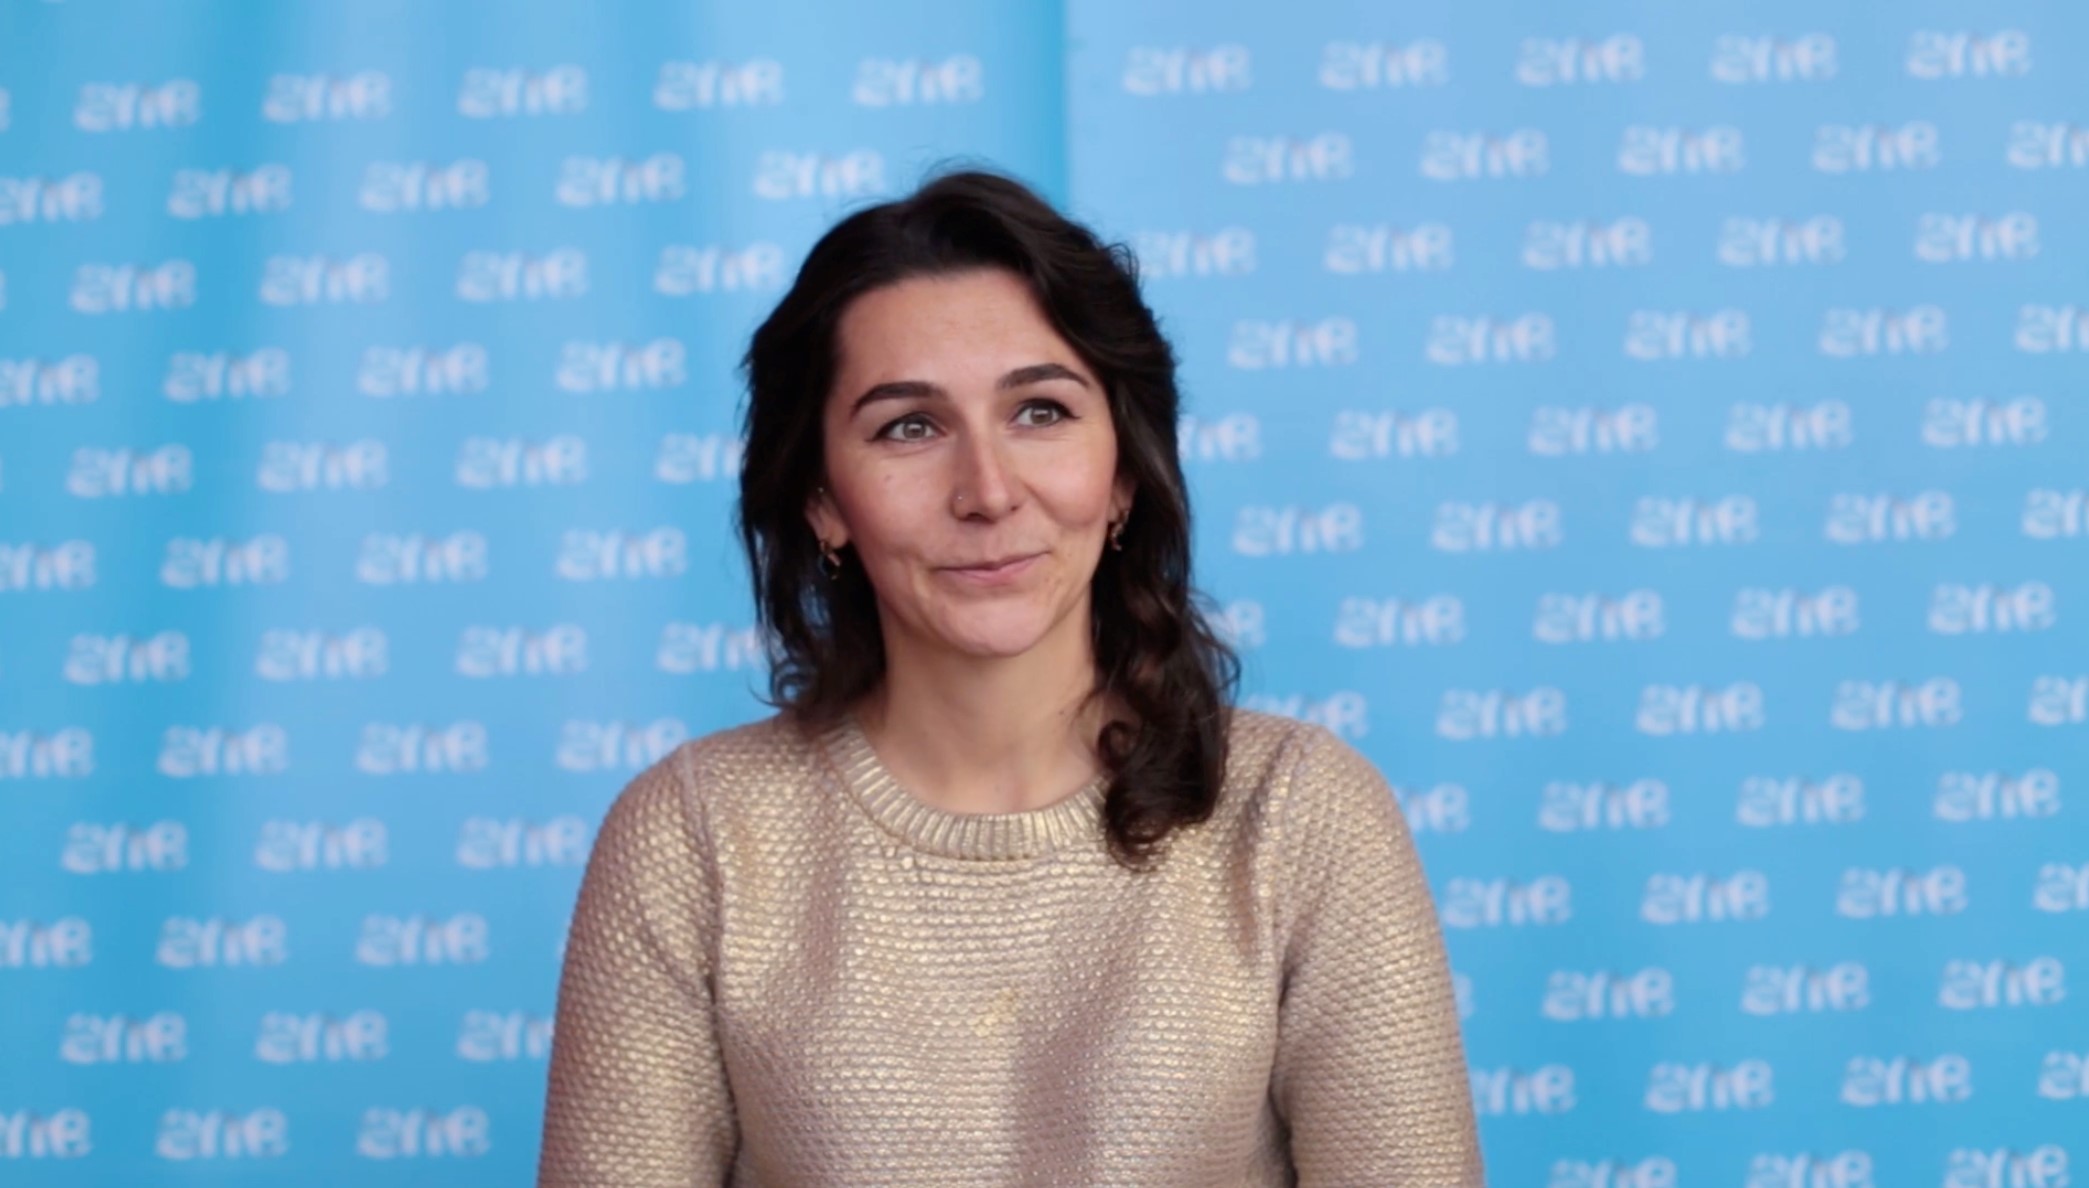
(951, 335)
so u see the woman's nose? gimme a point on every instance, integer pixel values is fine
(984, 482)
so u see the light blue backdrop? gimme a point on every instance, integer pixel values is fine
(1655, 434)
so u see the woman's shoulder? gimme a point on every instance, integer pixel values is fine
(757, 756)
(681, 785)
(1269, 750)
(1305, 774)
(765, 740)
(1258, 745)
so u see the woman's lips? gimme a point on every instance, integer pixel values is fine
(993, 575)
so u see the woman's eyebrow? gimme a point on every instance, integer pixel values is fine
(912, 389)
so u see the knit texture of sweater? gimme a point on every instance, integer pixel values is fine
(786, 970)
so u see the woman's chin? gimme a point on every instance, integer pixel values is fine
(996, 636)
(998, 647)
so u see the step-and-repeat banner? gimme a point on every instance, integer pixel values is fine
(1656, 435)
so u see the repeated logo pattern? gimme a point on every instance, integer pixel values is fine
(1654, 438)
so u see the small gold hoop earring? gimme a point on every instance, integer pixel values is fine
(830, 561)
(1117, 535)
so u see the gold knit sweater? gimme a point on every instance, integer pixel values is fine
(786, 970)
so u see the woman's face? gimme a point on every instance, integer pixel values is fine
(962, 430)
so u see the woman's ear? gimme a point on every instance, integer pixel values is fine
(825, 521)
(1122, 493)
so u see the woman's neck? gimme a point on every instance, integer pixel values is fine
(997, 736)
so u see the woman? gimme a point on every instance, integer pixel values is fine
(874, 938)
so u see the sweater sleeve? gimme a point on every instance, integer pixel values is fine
(1370, 1074)
(637, 1095)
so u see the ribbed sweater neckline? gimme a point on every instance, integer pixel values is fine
(936, 830)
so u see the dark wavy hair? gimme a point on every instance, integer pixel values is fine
(1154, 646)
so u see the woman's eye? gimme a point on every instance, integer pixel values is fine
(903, 422)
(1057, 410)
